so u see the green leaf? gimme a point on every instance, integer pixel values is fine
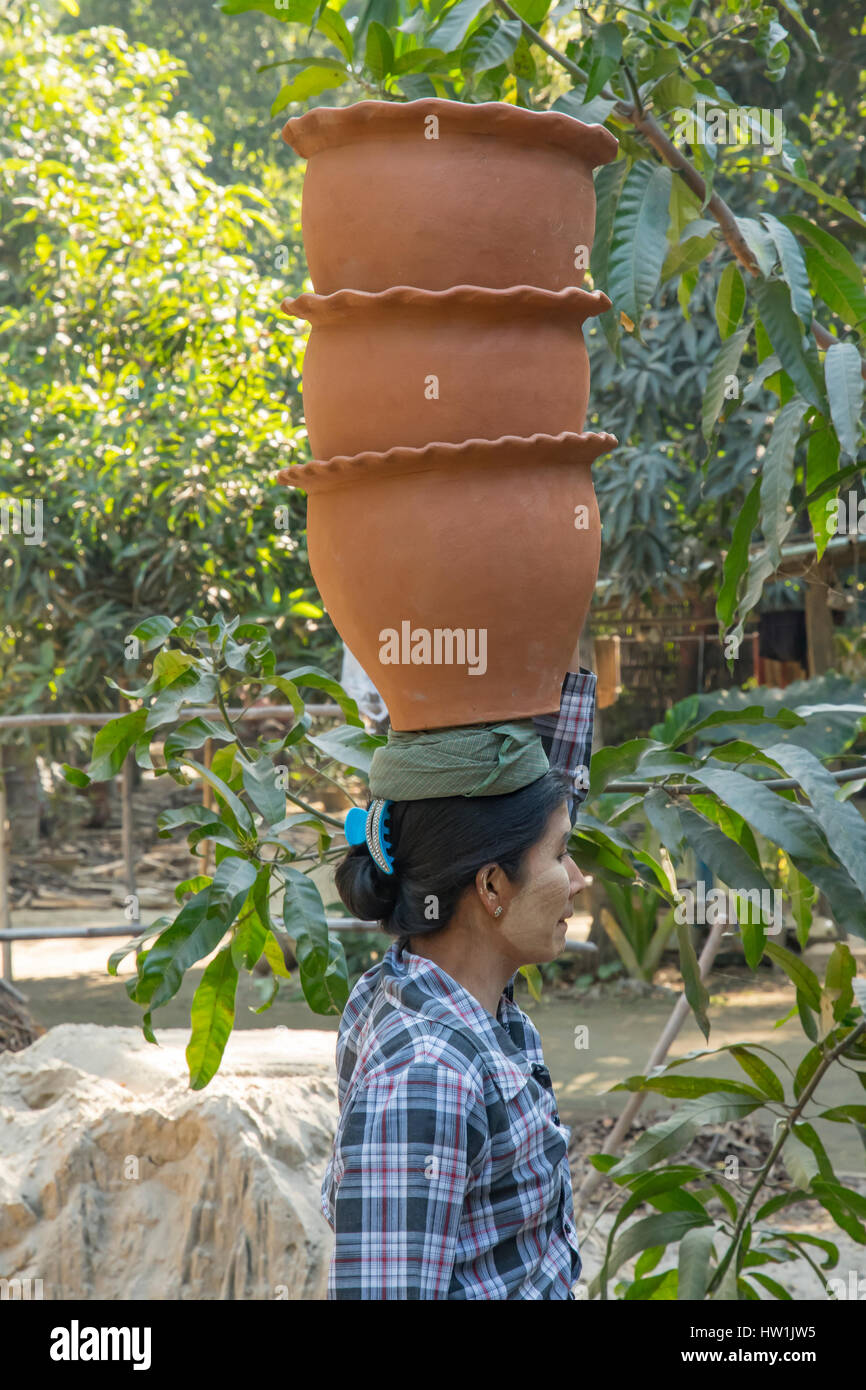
(639, 239)
(696, 1248)
(806, 1070)
(838, 204)
(609, 180)
(195, 932)
(275, 958)
(730, 300)
(843, 375)
(235, 808)
(153, 632)
(805, 979)
(665, 1228)
(808, 1136)
(320, 76)
(822, 458)
(321, 960)
(348, 745)
(379, 52)
(317, 679)
(670, 1136)
(724, 364)
(777, 476)
(605, 52)
(491, 44)
(75, 776)
(737, 558)
(842, 824)
(332, 24)
(782, 821)
(260, 785)
(759, 242)
(112, 744)
(793, 267)
(450, 33)
(761, 1073)
(785, 332)
(832, 253)
(212, 1017)
(695, 989)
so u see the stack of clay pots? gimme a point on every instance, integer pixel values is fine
(445, 387)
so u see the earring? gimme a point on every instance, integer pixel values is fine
(498, 912)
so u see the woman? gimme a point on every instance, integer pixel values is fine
(449, 1174)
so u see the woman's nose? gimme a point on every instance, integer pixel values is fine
(576, 881)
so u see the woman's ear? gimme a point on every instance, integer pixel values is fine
(490, 886)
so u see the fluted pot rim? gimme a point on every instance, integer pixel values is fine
(329, 308)
(327, 126)
(323, 474)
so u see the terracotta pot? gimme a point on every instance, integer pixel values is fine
(459, 575)
(408, 366)
(501, 196)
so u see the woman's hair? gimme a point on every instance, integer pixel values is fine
(438, 846)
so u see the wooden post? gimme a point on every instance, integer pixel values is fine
(819, 620)
(5, 921)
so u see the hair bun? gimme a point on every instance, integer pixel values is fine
(367, 892)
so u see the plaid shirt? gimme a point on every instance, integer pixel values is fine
(449, 1173)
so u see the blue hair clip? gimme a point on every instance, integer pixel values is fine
(371, 827)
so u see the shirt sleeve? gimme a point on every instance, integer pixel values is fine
(567, 736)
(404, 1167)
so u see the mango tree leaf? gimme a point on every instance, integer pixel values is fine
(724, 364)
(348, 745)
(737, 558)
(730, 299)
(379, 51)
(212, 1017)
(321, 959)
(491, 44)
(822, 458)
(777, 475)
(112, 744)
(785, 332)
(604, 55)
(639, 239)
(793, 267)
(320, 75)
(450, 33)
(799, 973)
(842, 824)
(843, 375)
(609, 180)
(260, 785)
(693, 1269)
(695, 989)
(196, 931)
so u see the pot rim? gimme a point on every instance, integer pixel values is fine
(327, 127)
(325, 475)
(320, 309)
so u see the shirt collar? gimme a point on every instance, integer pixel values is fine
(422, 985)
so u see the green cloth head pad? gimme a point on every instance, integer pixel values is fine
(474, 760)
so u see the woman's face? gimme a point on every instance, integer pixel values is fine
(533, 926)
